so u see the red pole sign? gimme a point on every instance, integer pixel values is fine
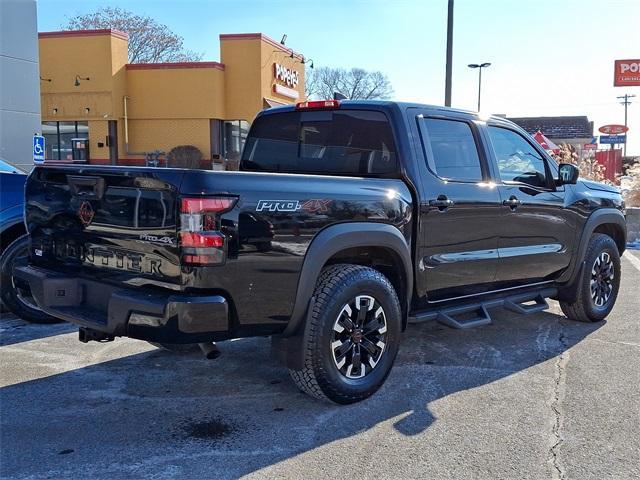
(613, 129)
(627, 73)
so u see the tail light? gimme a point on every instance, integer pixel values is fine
(201, 239)
(318, 105)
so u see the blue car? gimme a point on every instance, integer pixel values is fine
(11, 204)
(14, 246)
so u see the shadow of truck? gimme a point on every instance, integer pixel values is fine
(160, 414)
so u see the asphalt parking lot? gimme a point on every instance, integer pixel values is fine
(527, 397)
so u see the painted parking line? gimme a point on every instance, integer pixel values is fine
(633, 259)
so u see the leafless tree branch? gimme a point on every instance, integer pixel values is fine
(356, 83)
(149, 41)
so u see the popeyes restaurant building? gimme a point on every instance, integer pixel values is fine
(99, 109)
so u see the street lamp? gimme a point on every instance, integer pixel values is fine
(479, 66)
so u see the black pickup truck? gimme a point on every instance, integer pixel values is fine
(347, 221)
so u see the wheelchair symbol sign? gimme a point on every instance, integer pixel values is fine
(38, 149)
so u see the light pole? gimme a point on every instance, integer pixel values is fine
(449, 64)
(479, 66)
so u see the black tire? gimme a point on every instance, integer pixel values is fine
(602, 265)
(176, 347)
(325, 377)
(16, 294)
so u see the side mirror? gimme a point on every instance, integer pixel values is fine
(567, 173)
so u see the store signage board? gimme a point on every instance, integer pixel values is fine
(286, 76)
(285, 91)
(626, 73)
(612, 139)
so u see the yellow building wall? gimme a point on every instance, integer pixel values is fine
(242, 61)
(164, 134)
(73, 106)
(176, 93)
(119, 58)
(249, 70)
(98, 131)
(167, 107)
(93, 56)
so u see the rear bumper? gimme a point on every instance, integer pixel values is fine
(132, 312)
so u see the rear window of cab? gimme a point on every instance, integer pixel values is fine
(338, 142)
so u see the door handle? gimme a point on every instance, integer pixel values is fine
(512, 203)
(442, 203)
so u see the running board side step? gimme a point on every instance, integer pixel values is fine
(470, 317)
(519, 304)
(476, 314)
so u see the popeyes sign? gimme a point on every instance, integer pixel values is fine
(287, 76)
(627, 73)
(287, 81)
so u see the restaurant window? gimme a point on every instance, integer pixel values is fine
(63, 140)
(234, 136)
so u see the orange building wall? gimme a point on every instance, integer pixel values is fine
(62, 57)
(176, 92)
(98, 131)
(167, 104)
(164, 134)
(241, 58)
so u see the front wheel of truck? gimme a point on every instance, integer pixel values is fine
(599, 283)
(352, 336)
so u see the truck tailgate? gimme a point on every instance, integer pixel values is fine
(110, 222)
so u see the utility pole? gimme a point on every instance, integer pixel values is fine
(447, 79)
(626, 103)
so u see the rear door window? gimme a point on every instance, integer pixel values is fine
(341, 142)
(453, 150)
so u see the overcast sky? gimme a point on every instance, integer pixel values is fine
(549, 57)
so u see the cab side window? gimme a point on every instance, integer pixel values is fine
(517, 160)
(454, 150)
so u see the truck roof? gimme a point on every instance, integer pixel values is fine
(387, 104)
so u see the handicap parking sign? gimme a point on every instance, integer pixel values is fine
(38, 149)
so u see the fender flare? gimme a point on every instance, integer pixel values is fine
(599, 217)
(12, 216)
(340, 237)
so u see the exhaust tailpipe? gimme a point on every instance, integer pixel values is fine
(210, 350)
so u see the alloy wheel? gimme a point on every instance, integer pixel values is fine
(359, 337)
(602, 276)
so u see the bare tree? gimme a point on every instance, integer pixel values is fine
(149, 41)
(632, 195)
(355, 83)
(588, 165)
